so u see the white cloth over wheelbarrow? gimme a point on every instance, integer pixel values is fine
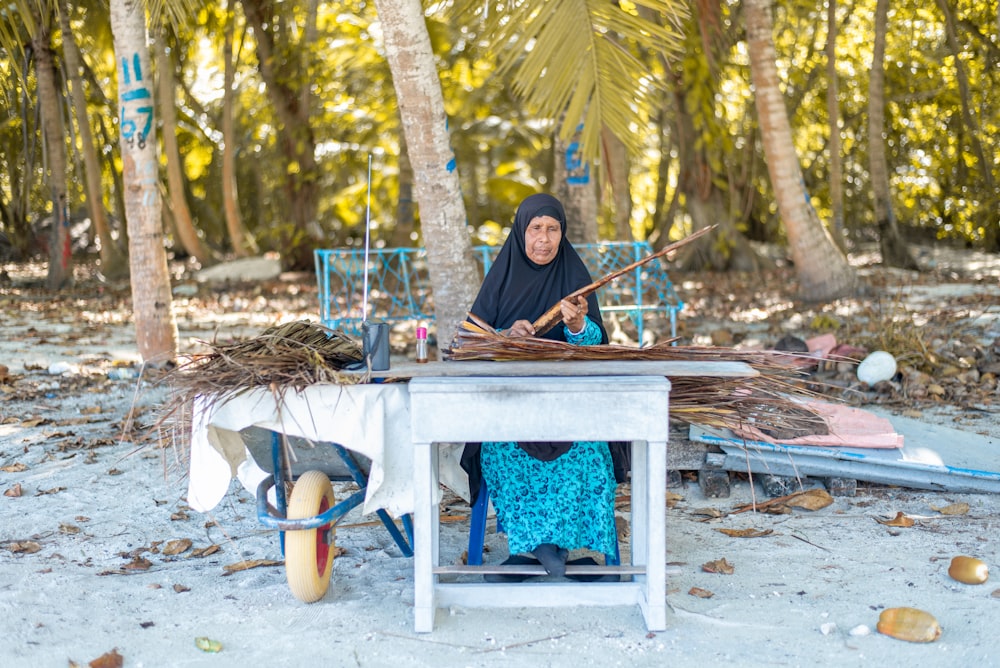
(371, 419)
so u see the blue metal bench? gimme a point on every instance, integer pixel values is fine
(399, 284)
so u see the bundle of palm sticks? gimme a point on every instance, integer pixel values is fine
(772, 401)
(291, 356)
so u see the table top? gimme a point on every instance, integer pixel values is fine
(539, 384)
(670, 369)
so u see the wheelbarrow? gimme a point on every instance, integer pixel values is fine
(307, 519)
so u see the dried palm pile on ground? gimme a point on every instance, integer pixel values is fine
(770, 401)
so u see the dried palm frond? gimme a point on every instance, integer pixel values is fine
(293, 355)
(770, 401)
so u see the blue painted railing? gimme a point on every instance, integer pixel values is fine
(399, 284)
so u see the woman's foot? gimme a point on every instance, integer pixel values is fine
(553, 558)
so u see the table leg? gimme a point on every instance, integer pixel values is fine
(424, 537)
(655, 609)
(435, 504)
(639, 511)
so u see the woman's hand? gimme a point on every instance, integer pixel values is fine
(573, 313)
(520, 328)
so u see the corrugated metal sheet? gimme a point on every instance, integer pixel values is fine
(934, 457)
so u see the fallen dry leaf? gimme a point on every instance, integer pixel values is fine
(953, 509)
(70, 422)
(709, 513)
(138, 564)
(54, 490)
(180, 589)
(16, 467)
(110, 659)
(69, 528)
(205, 551)
(718, 566)
(900, 520)
(14, 491)
(180, 515)
(256, 563)
(23, 546)
(176, 546)
(746, 533)
(810, 499)
(700, 593)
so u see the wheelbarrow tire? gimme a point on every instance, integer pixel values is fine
(308, 558)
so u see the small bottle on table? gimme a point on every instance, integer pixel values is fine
(421, 345)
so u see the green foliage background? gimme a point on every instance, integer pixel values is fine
(503, 141)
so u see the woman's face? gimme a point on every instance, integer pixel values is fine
(541, 239)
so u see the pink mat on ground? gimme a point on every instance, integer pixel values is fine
(848, 427)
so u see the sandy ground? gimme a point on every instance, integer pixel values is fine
(84, 569)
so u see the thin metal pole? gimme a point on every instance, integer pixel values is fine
(368, 213)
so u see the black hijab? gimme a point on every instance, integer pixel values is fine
(515, 288)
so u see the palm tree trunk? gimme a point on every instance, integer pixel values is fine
(155, 326)
(403, 229)
(243, 244)
(895, 253)
(821, 268)
(285, 83)
(617, 168)
(705, 202)
(186, 232)
(833, 119)
(984, 160)
(574, 186)
(454, 279)
(113, 263)
(60, 245)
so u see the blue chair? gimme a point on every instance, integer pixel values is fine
(477, 531)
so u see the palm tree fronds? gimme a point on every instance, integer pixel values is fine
(572, 59)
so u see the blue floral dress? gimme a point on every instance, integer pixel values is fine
(568, 501)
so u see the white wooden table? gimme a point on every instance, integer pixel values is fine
(561, 408)
(473, 401)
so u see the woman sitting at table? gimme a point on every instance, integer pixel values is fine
(549, 497)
